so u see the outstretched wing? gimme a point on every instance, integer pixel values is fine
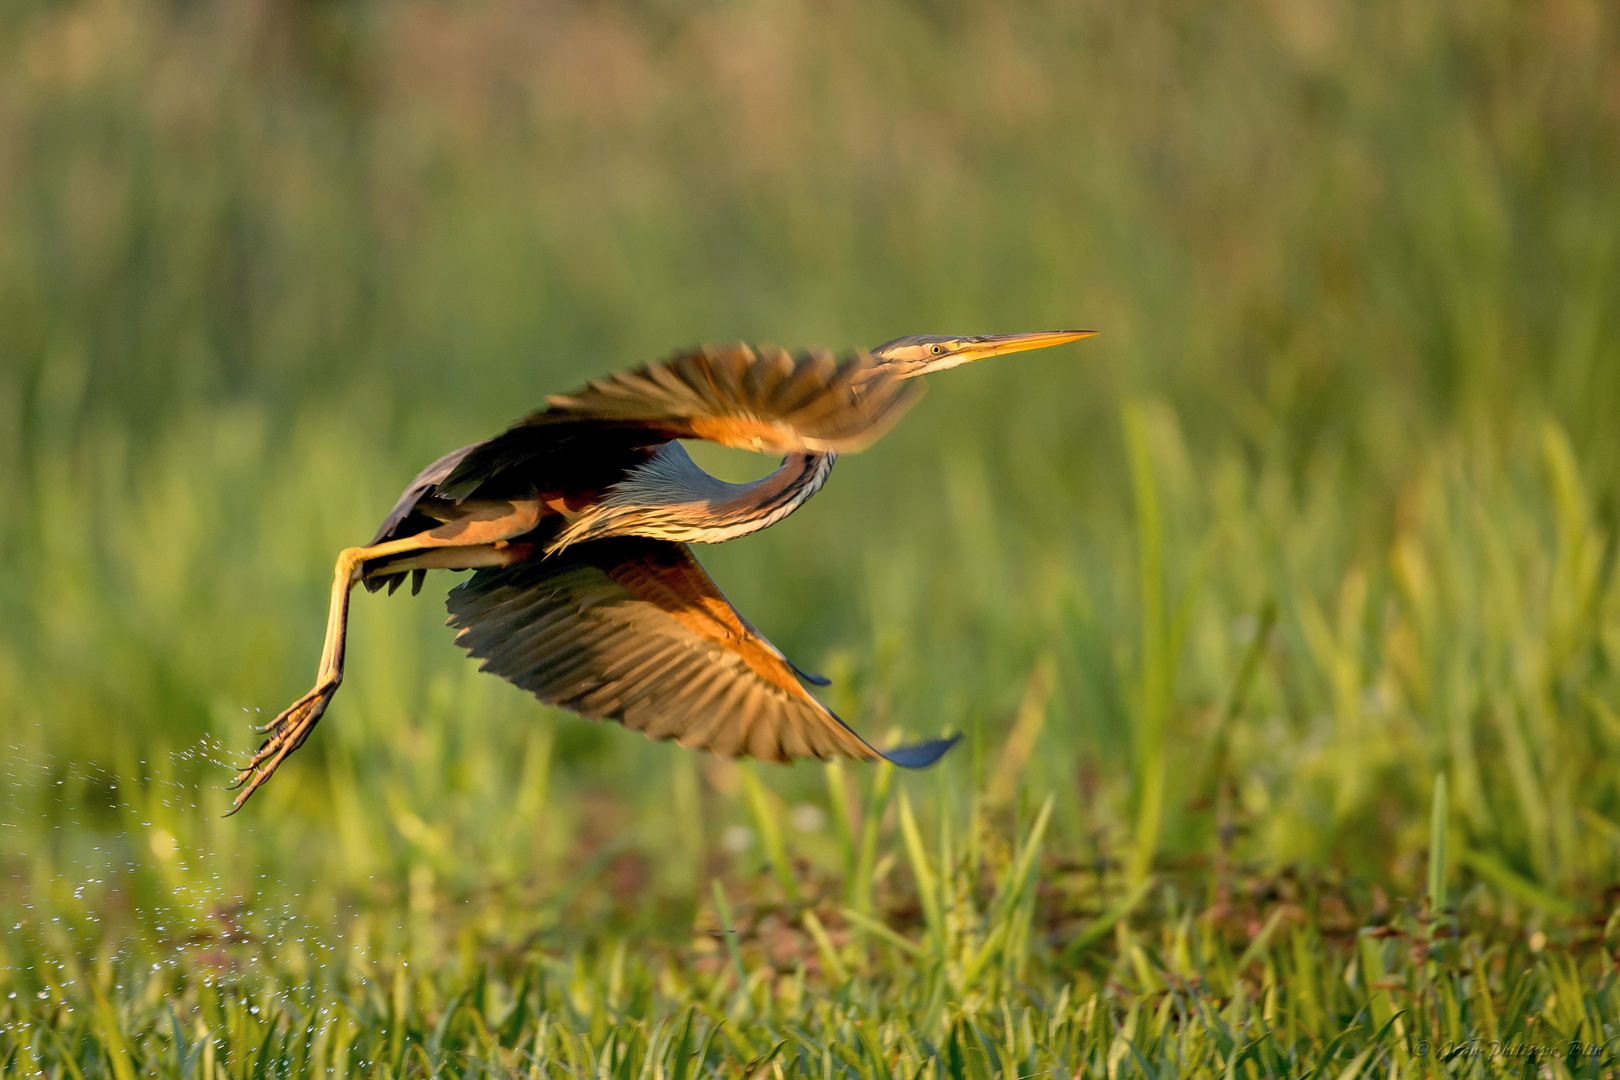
(632, 629)
(765, 399)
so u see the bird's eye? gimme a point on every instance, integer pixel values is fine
(938, 350)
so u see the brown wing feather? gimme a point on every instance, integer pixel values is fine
(764, 399)
(634, 630)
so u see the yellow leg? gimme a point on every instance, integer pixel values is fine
(478, 539)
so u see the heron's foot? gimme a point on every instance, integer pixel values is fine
(287, 733)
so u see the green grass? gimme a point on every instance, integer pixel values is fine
(1325, 514)
(973, 969)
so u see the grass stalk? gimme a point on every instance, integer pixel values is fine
(761, 803)
(860, 889)
(1438, 817)
(1156, 666)
(728, 931)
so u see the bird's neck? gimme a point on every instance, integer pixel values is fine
(669, 497)
(771, 498)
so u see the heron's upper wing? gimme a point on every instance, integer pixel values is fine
(633, 630)
(759, 399)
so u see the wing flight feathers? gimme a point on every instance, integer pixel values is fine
(634, 630)
(763, 399)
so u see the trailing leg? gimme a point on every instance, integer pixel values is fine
(288, 731)
(478, 538)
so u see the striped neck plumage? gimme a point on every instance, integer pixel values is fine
(669, 497)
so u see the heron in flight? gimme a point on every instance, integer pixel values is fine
(578, 518)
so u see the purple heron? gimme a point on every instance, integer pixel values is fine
(578, 518)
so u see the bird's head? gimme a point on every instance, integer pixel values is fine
(909, 357)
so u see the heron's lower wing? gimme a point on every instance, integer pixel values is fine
(634, 630)
(762, 399)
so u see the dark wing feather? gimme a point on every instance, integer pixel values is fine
(765, 399)
(423, 485)
(634, 630)
(403, 520)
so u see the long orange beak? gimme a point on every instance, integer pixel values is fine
(1001, 344)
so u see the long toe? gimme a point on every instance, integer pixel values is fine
(287, 733)
(286, 713)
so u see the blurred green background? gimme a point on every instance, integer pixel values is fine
(1356, 269)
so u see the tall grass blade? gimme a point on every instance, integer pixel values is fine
(1154, 688)
(927, 882)
(1027, 725)
(830, 961)
(838, 799)
(770, 830)
(1438, 817)
(110, 1034)
(866, 922)
(872, 818)
(1515, 885)
(1106, 922)
(728, 931)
